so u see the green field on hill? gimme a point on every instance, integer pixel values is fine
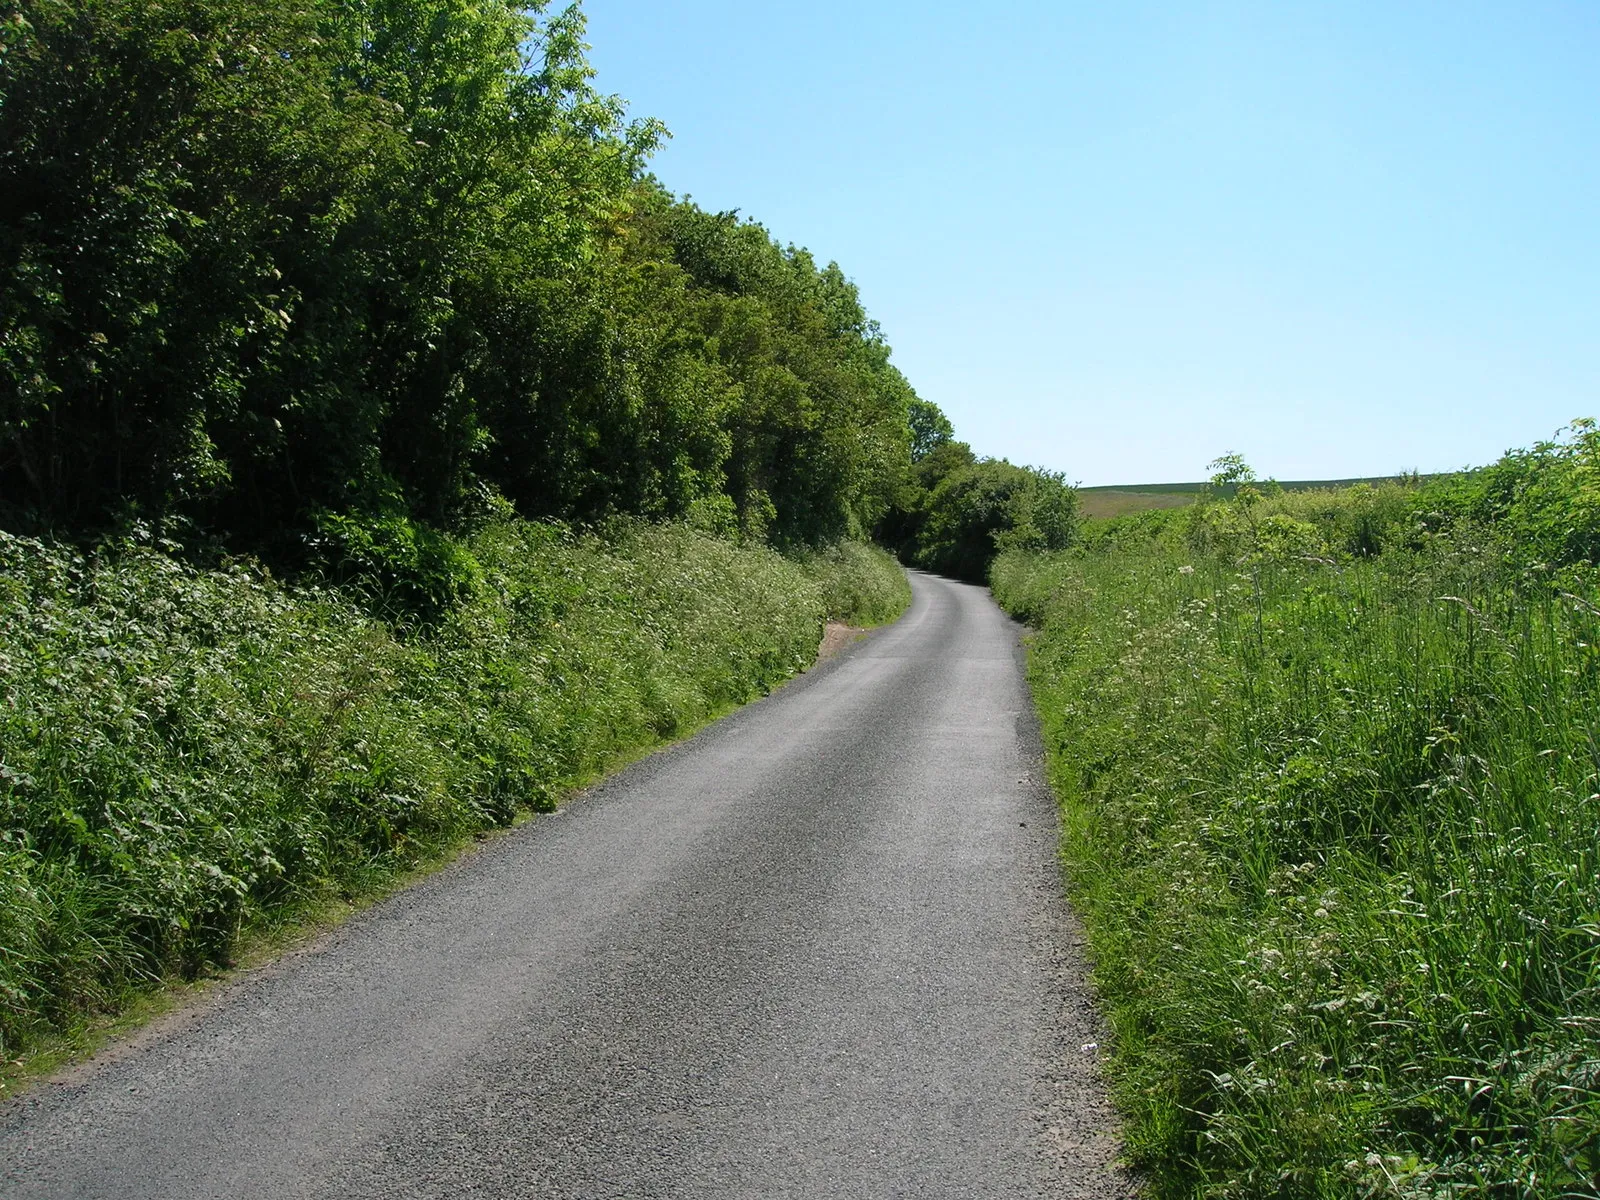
(1120, 499)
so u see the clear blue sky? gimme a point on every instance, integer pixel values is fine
(1120, 239)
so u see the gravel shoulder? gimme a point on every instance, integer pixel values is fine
(817, 950)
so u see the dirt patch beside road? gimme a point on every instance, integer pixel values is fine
(836, 635)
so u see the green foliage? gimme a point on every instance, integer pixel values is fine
(1134, 529)
(930, 429)
(187, 754)
(1540, 507)
(405, 567)
(1229, 472)
(956, 512)
(816, 416)
(991, 506)
(269, 268)
(861, 584)
(1330, 794)
(1240, 518)
(1546, 501)
(246, 241)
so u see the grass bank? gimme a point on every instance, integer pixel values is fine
(1331, 790)
(187, 756)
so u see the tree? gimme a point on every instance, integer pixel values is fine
(930, 429)
(978, 510)
(315, 275)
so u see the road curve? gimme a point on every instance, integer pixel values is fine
(816, 951)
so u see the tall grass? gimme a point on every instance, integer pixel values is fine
(186, 755)
(1333, 822)
(860, 583)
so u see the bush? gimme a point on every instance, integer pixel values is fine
(404, 568)
(1546, 501)
(976, 511)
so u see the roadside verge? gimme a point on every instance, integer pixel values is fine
(197, 763)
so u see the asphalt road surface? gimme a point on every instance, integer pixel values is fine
(816, 951)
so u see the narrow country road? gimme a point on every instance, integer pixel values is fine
(816, 951)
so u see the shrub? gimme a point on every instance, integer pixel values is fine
(978, 510)
(861, 584)
(405, 568)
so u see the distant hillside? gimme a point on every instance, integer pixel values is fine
(1101, 502)
(1116, 500)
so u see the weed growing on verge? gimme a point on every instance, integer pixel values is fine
(1333, 822)
(861, 584)
(187, 754)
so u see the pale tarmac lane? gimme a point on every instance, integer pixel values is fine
(817, 950)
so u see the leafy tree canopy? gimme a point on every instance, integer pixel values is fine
(930, 429)
(271, 270)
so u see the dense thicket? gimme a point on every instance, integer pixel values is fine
(323, 275)
(953, 512)
(1331, 791)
